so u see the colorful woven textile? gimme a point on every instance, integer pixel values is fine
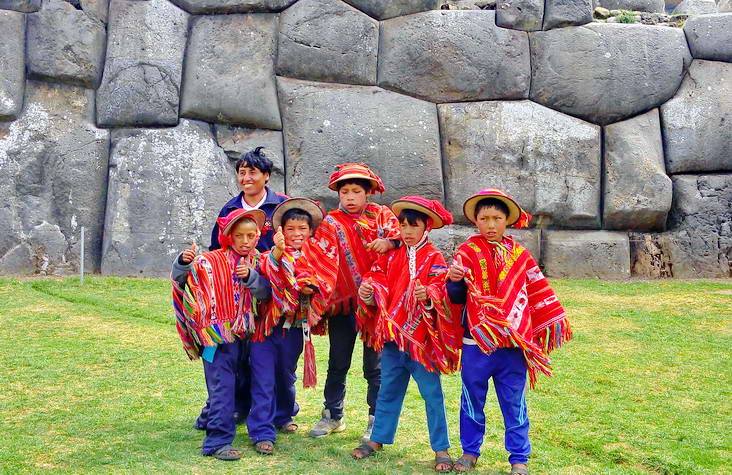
(348, 171)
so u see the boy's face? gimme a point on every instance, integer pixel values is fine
(411, 234)
(251, 180)
(296, 232)
(491, 223)
(244, 237)
(352, 197)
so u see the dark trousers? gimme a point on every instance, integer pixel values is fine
(242, 388)
(273, 365)
(342, 335)
(221, 376)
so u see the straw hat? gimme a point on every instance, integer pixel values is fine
(311, 207)
(433, 209)
(514, 210)
(350, 171)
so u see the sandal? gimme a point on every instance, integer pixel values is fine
(227, 452)
(264, 447)
(362, 451)
(466, 465)
(442, 460)
(515, 470)
(289, 428)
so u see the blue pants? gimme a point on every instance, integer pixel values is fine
(273, 365)
(507, 367)
(242, 401)
(396, 368)
(221, 379)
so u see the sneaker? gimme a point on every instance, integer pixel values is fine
(369, 427)
(326, 425)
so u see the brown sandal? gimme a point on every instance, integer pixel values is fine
(362, 451)
(289, 428)
(442, 460)
(264, 447)
(466, 465)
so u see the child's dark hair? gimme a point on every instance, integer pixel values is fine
(255, 159)
(411, 216)
(492, 203)
(296, 214)
(365, 184)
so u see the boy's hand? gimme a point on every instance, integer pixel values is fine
(456, 273)
(420, 291)
(189, 254)
(242, 271)
(307, 290)
(380, 245)
(279, 239)
(366, 291)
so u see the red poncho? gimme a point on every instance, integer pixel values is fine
(510, 303)
(430, 336)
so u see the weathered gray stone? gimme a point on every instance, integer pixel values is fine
(229, 75)
(561, 13)
(12, 59)
(142, 72)
(233, 6)
(724, 6)
(695, 7)
(383, 9)
(697, 122)
(447, 239)
(700, 242)
(710, 36)
(637, 189)
(607, 72)
(25, 6)
(327, 40)
(236, 141)
(583, 254)
(97, 9)
(526, 15)
(327, 124)
(54, 166)
(165, 190)
(651, 6)
(448, 56)
(548, 161)
(65, 44)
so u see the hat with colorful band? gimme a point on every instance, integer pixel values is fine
(311, 207)
(517, 217)
(351, 171)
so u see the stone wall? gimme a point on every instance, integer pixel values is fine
(125, 117)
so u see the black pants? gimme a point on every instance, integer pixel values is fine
(342, 335)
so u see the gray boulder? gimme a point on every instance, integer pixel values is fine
(695, 7)
(229, 75)
(327, 124)
(455, 55)
(236, 141)
(166, 187)
(586, 254)
(383, 9)
(448, 239)
(710, 36)
(25, 6)
(604, 73)
(637, 190)
(12, 57)
(142, 72)
(233, 6)
(327, 40)
(97, 9)
(54, 166)
(65, 45)
(548, 161)
(724, 6)
(526, 15)
(650, 6)
(561, 13)
(697, 122)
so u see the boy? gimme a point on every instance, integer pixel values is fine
(512, 320)
(302, 273)
(363, 230)
(216, 298)
(404, 311)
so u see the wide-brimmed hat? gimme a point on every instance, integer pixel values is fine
(311, 207)
(437, 213)
(351, 171)
(517, 217)
(226, 224)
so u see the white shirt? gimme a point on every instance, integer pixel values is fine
(245, 206)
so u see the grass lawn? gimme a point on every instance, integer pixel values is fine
(94, 380)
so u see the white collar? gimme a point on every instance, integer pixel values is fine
(245, 206)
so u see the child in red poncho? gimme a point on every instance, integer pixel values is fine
(512, 320)
(404, 313)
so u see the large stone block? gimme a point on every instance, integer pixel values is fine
(12, 58)
(233, 6)
(637, 189)
(650, 6)
(236, 141)
(561, 13)
(54, 166)
(697, 122)
(65, 44)
(448, 239)
(586, 254)
(604, 73)
(695, 7)
(98, 9)
(526, 15)
(25, 6)
(166, 187)
(142, 72)
(229, 75)
(327, 124)
(710, 36)
(383, 9)
(327, 40)
(724, 6)
(454, 55)
(548, 161)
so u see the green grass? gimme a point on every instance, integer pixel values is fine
(94, 380)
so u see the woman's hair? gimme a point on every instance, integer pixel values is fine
(491, 203)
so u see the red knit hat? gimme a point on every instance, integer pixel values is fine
(517, 217)
(361, 171)
(438, 215)
(226, 223)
